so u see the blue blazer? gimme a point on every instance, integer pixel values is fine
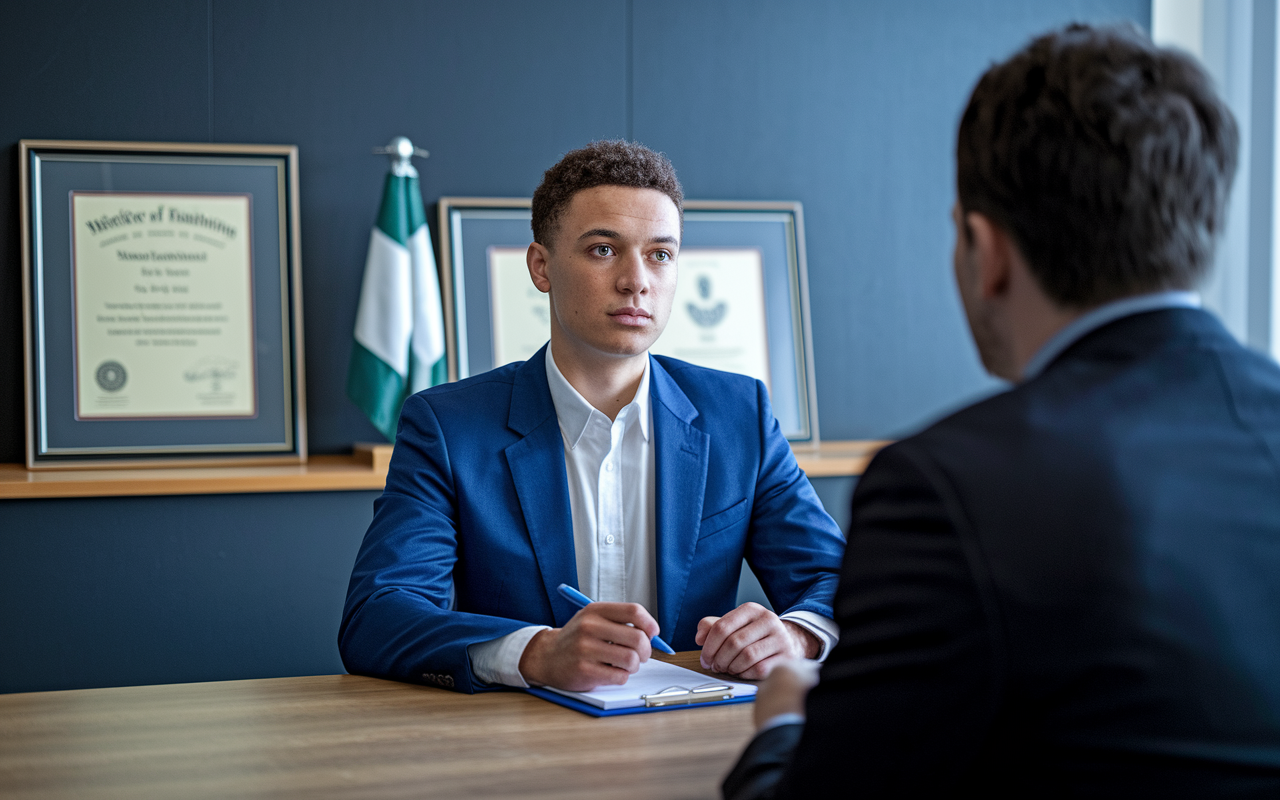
(473, 533)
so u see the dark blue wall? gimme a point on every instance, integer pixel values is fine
(847, 107)
(139, 590)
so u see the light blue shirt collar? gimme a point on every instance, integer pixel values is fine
(1108, 312)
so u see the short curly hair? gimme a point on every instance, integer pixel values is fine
(1108, 159)
(613, 162)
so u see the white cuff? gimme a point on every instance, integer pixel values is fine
(498, 660)
(789, 718)
(827, 631)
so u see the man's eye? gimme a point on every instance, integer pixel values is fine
(662, 255)
(602, 250)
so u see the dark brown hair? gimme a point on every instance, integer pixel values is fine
(1108, 159)
(606, 163)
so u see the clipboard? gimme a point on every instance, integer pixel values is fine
(657, 686)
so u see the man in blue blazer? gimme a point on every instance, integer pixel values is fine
(1071, 589)
(643, 481)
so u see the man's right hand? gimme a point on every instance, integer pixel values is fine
(784, 691)
(598, 647)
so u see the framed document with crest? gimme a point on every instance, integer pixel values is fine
(162, 297)
(741, 303)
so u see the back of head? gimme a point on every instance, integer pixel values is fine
(1108, 159)
(604, 163)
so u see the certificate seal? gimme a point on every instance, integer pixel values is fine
(111, 376)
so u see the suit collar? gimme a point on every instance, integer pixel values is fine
(668, 393)
(538, 474)
(531, 402)
(683, 454)
(1101, 316)
(1138, 335)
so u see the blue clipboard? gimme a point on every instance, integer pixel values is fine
(590, 710)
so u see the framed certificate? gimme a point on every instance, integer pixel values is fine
(162, 302)
(741, 303)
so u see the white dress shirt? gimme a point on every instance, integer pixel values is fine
(610, 470)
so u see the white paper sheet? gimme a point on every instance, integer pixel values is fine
(652, 677)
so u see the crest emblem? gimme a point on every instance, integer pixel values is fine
(709, 316)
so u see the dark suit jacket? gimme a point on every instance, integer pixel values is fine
(474, 533)
(1070, 589)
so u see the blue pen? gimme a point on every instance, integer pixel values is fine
(581, 601)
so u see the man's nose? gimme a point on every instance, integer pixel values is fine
(633, 278)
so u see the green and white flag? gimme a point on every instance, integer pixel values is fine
(399, 336)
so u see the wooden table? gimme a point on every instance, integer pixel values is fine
(349, 736)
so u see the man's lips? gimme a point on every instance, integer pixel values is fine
(631, 316)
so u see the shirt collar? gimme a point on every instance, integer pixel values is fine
(1107, 312)
(574, 412)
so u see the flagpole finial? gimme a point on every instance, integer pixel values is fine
(401, 150)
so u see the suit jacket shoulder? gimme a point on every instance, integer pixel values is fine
(1125, 509)
(1067, 589)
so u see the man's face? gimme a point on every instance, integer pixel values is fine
(611, 270)
(992, 348)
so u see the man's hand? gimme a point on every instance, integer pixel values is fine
(598, 647)
(750, 640)
(785, 689)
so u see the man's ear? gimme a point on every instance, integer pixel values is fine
(992, 251)
(537, 259)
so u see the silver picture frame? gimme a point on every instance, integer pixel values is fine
(271, 429)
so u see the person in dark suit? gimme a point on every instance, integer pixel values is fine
(643, 481)
(1072, 588)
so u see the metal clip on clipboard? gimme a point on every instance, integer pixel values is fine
(680, 696)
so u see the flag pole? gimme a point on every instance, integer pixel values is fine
(399, 346)
(401, 151)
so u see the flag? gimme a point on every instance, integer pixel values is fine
(399, 335)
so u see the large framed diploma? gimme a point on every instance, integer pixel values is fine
(741, 300)
(162, 299)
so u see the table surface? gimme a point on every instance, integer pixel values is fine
(351, 736)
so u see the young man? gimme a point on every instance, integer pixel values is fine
(1069, 589)
(643, 481)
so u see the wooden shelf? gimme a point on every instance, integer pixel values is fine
(319, 474)
(365, 471)
(837, 459)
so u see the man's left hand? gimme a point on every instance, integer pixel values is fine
(750, 640)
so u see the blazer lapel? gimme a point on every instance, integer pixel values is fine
(682, 452)
(538, 474)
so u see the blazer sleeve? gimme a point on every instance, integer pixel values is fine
(398, 621)
(794, 546)
(909, 692)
